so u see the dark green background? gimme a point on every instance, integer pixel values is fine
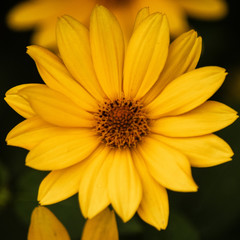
(211, 213)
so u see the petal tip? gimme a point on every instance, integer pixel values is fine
(31, 50)
(63, 21)
(99, 9)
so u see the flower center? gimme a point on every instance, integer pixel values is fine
(121, 123)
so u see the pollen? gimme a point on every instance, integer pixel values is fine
(121, 123)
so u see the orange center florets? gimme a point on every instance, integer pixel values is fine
(121, 123)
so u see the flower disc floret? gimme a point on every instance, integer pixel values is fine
(121, 123)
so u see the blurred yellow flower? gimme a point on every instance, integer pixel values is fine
(102, 226)
(45, 226)
(120, 126)
(42, 14)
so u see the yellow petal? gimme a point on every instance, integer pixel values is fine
(27, 14)
(154, 208)
(124, 185)
(60, 184)
(177, 17)
(146, 55)
(31, 132)
(141, 15)
(209, 117)
(18, 103)
(187, 92)
(183, 56)
(45, 226)
(107, 47)
(93, 192)
(168, 166)
(57, 77)
(204, 151)
(205, 9)
(74, 47)
(125, 15)
(63, 150)
(44, 34)
(102, 226)
(184, 53)
(55, 108)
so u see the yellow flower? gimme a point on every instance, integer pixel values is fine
(45, 226)
(120, 126)
(42, 15)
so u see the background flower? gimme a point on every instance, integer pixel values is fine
(44, 225)
(42, 15)
(211, 213)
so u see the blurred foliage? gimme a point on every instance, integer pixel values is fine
(4, 190)
(211, 213)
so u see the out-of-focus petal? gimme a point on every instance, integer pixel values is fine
(45, 226)
(102, 226)
(37, 12)
(205, 9)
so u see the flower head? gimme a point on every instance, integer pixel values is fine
(120, 125)
(42, 15)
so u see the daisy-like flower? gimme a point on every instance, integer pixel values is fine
(42, 14)
(120, 125)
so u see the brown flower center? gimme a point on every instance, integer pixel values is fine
(121, 123)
